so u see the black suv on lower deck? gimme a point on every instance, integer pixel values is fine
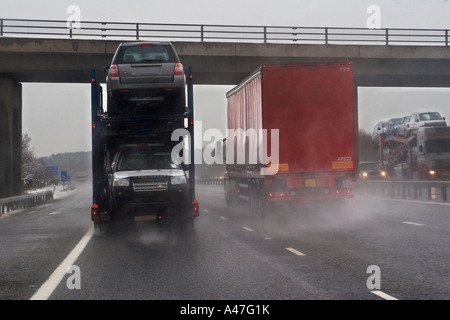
(145, 183)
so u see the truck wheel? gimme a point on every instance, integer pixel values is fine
(229, 188)
(255, 202)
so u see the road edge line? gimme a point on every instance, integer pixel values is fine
(383, 295)
(44, 292)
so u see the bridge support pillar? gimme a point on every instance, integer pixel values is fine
(10, 137)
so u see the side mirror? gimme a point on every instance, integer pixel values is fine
(106, 69)
(108, 170)
(417, 120)
(443, 118)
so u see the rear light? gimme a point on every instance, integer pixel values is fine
(195, 207)
(178, 69)
(344, 191)
(113, 71)
(146, 43)
(94, 212)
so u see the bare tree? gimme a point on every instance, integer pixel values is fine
(34, 172)
(365, 146)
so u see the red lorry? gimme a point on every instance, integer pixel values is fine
(305, 123)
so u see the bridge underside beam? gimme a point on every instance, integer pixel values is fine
(10, 137)
(34, 60)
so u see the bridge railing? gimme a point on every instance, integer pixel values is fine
(24, 202)
(437, 191)
(221, 33)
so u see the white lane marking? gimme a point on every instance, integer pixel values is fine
(248, 229)
(55, 212)
(267, 238)
(295, 251)
(55, 278)
(206, 210)
(413, 223)
(383, 295)
(223, 218)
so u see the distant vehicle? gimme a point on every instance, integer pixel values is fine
(147, 77)
(370, 170)
(425, 119)
(391, 128)
(378, 129)
(424, 155)
(401, 127)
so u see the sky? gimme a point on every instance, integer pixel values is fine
(57, 117)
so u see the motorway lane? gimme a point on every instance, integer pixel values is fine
(231, 255)
(408, 241)
(33, 242)
(218, 259)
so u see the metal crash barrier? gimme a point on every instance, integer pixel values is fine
(209, 181)
(24, 202)
(413, 190)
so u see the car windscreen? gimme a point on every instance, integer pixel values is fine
(430, 116)
(368, 166)
(145, 54)
(145, 160)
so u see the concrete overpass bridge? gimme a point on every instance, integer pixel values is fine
(215, 63)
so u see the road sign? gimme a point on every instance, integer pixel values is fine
(64, 176)
(54, 170)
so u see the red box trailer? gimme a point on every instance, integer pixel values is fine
(297, 128)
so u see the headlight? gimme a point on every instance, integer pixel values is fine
(121, 182)
(432, 172)
(383, 173)
(364, 174)
(178, 180)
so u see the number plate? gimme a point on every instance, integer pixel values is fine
(150, 217)
(310, 183)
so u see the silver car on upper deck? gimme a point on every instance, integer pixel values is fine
(145, 78)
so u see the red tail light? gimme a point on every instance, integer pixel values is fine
(195, 207)
(113, 71)
(94, 212)
(178, 70)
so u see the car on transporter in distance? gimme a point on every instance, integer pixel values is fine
(145, 77)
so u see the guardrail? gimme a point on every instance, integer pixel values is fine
(414, 190)
(24, 202)
(209, 181)
(221, 33)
